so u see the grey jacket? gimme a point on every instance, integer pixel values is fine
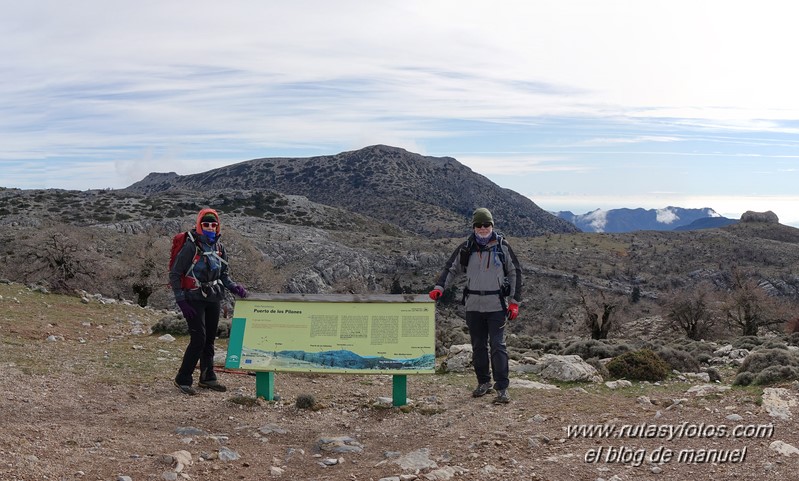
(485, 274)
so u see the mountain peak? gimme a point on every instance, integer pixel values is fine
(433, 196)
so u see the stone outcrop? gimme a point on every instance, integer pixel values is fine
(566, 368)
(767, 217)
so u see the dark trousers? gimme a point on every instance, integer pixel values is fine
(487, 329)
(202, 329)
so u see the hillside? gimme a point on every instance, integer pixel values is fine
(433, 196)
(707, 223)
(117, 243)
(107, 410)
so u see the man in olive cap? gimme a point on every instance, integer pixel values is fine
(492, 295)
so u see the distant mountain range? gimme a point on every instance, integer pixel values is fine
(629, 220)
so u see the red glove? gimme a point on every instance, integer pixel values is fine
(436, 294)
(513, 311)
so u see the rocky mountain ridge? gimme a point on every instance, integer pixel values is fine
(432, 196)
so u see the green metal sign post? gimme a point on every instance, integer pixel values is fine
(400, 389)
(265, 385)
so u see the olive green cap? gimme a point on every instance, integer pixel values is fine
(482, 216)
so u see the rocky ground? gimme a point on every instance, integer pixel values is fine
(88, 396)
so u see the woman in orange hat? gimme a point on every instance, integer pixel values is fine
(199, 277)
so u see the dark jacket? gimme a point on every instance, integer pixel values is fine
(210, 270)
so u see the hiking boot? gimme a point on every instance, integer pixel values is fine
(502, 397)
(213, 385)
(482, 389)
(185, 389)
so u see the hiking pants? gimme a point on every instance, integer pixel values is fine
(488, 329)
(202, 329)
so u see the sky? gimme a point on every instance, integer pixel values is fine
(578, 104)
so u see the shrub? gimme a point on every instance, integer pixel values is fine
(747, 342)
(744, 379)
(552, 347)
(678, 359)
(641, 365)
(768, 366)
(703, 358)
(698, 348)
(765, 358)
(601, 349)
(305, 401)
(714, 374)
(600, 367)
(773, 344)
(775, 374)
(521, 341)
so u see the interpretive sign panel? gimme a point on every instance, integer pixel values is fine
(379, 334)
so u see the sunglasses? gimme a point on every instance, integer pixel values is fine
(210, 225)
(483, 225)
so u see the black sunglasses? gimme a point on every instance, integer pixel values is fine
(483, 225)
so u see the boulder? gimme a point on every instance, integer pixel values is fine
(767, 217)
(566, 368)
(459, 358)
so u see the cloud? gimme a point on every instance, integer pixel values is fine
(666, 216)
(515, 164)
(598, 219)
(629, 140)
(185, 85)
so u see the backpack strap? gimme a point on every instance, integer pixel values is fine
(466, 254)
(471, 246)
(196, 257)
(216, 253)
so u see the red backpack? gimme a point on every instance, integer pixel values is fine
(186, 281)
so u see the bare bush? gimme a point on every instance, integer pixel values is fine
(58, 258)
(690, 311)
(598, 314)
(248, 265)
(748, 307)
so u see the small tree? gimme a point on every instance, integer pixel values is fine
(689, 312)
(635, 295)
(748, 307)
(396, 287)
(598, 313)
(57, 259)
(147, 263)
